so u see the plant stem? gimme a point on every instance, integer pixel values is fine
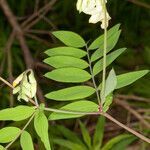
(93, 79)
(6, 82)
(71, 112)
(127, 128)
(104, 52)
(36, 101)
(105, 115)
(21, 131)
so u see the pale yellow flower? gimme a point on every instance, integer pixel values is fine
(25, 85)
(95, 9)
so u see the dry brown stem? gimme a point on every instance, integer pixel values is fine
(132, 111)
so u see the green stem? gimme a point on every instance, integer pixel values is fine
(36, 101)
(104, 52)
(71, 112)
(92, 75)
(105, 115)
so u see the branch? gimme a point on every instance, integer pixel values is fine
(46, 8)
(92, 113)
(126, 128)
(142, 4)
(132, 111)
(19, 34)
(132, 97)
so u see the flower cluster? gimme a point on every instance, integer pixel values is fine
(96, 9)
(25, 85)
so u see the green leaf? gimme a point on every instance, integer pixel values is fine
(108, 102)
(26, 141)
(66, 61)
(85, 135)
(41, 127)
(8, 134)
(111, 82)
(110, 45)
(129, 78)
(74, 75)
(98, 67)
(71, 93)
(70, 135)
(99, 132)
(68, 144)
(123, 144)
(17, 113)
(1, 147)
(69, 38)
(66, 51)
(113, 141)
(99, 41)
(81, 106)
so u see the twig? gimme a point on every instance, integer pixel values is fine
(44, 8)
(31, 24)
(143, 110)
(36, 6)
(132, 97)
(6, 82)
(2, 65)
(19, 34)
(42, 65)
(103, 114)
(49, 22)
(140, 3)
(132, 111)
(91, 113)
(34, 37)
(127, 128)
(38, 31)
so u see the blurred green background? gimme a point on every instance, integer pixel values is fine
(133, 15)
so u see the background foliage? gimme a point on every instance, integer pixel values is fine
(62, 15)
